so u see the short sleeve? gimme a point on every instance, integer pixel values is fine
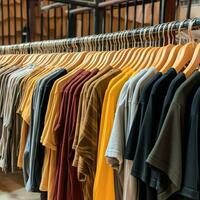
(169, 160)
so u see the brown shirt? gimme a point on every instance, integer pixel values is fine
(82, 108)
(88, 136)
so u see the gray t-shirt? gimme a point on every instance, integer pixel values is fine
(125, 112)
(34, 151)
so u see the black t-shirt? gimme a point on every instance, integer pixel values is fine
(168, 154)
(180, 78)
(138, 119)
(176, 82)
(148, 132)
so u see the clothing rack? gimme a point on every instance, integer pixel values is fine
(101, 41)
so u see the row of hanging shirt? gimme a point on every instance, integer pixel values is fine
(110, 125)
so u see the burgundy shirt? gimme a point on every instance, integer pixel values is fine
(59, 126)
(68, 186)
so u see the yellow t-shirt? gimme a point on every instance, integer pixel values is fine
(25, 108)
(104, 179)
(103, 112)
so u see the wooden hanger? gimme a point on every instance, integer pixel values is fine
(129, 54)
(145, 53)
(123, 53)
(82, 56)
(153, 56)
(100, 61)
(108, 60)
(9, 59)
(171, 59)
(165, 49)
(150, 57)
(105, 57)
(16, 61)
(186, 52)
(194, 63)
(68, 57)
(74, 59)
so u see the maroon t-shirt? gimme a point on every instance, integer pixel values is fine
(59, 126)
(72, 171)
(68, 186)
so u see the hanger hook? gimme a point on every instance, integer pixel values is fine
(117, 38)
(168, 32)
(99, 44)
(144, 36)
(191, 23)
(94, 43)
(133, 38)
(113, 41)
(159, 31)
(120, 40)
(124, 39)
(164, 39)
(140, 34)
(150, 39)
(111, 38)
(172, 34)
(127, 40)
(105, 37)
(179, 30)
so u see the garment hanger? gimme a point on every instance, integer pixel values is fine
(65, 58)
(111, 52)
(186, 52)
(174, 52)
(195, 61)
(77, 61)
(9, 59)
(46, 58)
(96, 56)
(24, 60)
(128, 52)
(137, 53)
(87, 59)
(155, 56)
(105, 52)
(166, 50)
(155, 50)
(34, 56)
(18, 58)
(118, 53)
(69, 57)
(151, 54)
(160, 51)
(144, 52)
(145, 55)
(125, 54)
(122, 52)
(99, 56)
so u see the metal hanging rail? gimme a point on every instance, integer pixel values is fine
(78, 42)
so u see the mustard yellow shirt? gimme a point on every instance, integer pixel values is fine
(104, 179)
